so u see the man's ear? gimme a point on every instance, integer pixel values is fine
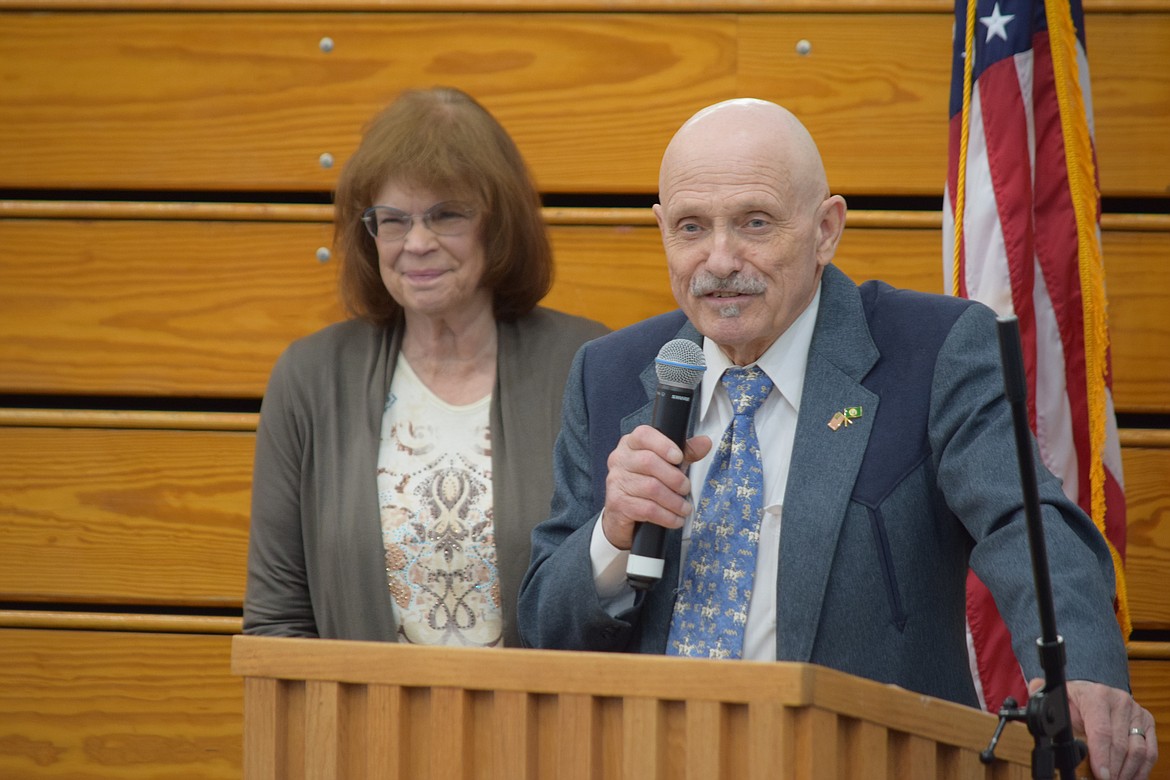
(830, 227)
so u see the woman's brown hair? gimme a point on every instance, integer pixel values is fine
(443, 140)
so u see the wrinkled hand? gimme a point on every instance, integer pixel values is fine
(645, 483)
(1104, 717)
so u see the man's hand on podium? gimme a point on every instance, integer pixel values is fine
(1119, 732)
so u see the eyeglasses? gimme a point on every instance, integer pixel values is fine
(387, 223)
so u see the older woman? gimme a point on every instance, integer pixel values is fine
(404, 455)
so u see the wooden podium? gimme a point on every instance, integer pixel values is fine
(331, 710)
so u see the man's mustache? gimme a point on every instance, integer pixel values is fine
(706, 284)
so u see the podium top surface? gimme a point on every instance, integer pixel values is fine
(620, 675)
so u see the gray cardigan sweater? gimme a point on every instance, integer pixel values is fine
(316, 563)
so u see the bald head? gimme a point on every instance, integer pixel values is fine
(747, 221)
(746, 131)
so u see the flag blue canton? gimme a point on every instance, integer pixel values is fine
(1003, 28)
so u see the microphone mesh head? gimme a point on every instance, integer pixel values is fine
(680, 363)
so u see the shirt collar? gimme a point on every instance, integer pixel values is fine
(784, 361)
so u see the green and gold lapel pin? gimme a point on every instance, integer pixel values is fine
(845, 417)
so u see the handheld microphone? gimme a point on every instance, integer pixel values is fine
(680, 365)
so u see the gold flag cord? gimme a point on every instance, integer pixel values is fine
(1082, 178)
(964, 139)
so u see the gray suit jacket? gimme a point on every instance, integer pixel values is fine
(881, 518)
(316, 562)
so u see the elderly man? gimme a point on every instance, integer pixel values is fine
(865, 458)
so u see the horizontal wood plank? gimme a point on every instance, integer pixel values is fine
(840, 6)
(1147, 503)
(1150, 681)
(137, 622)
(1142, 650)
(203, 307)
(132, 418)
(197, 308)
(112, 516)
(553, 215)
(251, 101)
(160, 517)
(118, 706)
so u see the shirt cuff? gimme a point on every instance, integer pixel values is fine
(609, 572)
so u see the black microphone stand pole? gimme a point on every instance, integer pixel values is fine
(1047, 713)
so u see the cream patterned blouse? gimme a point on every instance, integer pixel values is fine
(435, 499)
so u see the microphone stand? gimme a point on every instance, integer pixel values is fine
(1047, 713)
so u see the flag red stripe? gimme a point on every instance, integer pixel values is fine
(999, 672)
(1005, 123)
(1057, 254)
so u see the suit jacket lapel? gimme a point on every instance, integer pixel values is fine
(825, 462)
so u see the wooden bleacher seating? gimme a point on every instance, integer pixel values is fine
(159, 251)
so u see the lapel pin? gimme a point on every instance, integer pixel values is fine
(845, 417)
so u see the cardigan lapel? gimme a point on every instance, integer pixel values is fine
(518, 459)
(363, 583)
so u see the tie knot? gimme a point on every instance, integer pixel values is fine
(747, 388)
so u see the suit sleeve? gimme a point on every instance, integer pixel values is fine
(979, 473)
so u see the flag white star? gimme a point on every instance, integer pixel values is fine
(996, 24)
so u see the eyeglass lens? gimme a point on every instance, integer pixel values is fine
(444, 219)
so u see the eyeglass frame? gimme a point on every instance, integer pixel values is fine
(368, 218)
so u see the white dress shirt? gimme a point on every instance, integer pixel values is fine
(784, 362)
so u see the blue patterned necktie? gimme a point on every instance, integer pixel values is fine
(710, 612)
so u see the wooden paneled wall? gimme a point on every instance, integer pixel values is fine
(163, 170)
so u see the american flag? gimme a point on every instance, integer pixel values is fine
(1021, 233)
